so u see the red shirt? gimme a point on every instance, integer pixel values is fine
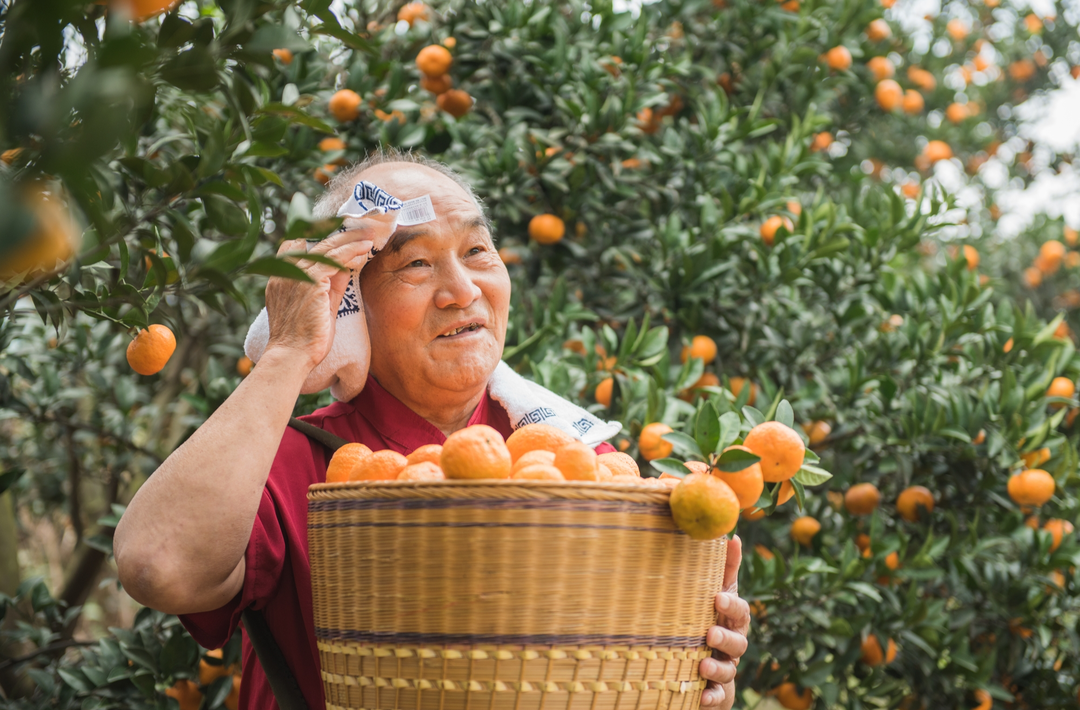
(277, 579)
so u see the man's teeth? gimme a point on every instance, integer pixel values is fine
(471, 326)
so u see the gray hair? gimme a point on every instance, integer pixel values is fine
(341, 186)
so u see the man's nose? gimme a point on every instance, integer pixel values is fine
(456, 288)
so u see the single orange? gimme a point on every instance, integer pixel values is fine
(892, 560)
(384, 465)
(872, 655)
(532, 458)
(1071, 236)
(427, 452)
(838, 58)
(546, 229)
(862, 541)
(957, 29)
(780, 448)
(1053, 250)
(737, 384)
(651, 444)
(536, 436)
(789, 695)
(764, 552)
(971, 256)
(862, 499)
(142, 10)
(1022, 69)
(704, 507)
(752, 514)
(770, 226)
(345, 460)
(434, 60)
(980, 437)
(913, 102)
(422, 471)
(748, 483)
(804, 529)
(620, 464)
(1059, 387)
(436, 84)
(577, 461)
(913, 498)
(232, 700)
(325, 174)
(1032, 23)
(821, 141)
(707, 379)
(1032, 277)
(285, 56)
(1032, 487)
(693, 467)
(538, 472)
(956, 113)
(413, 11)
(888, 94)
(786, 492)
(604, 390)
(477, 451)
(455, 102)
(186, 693)
(449, 42)
(151, 349)
(605, 472)
(922, 78)
(244, 366)
(878, 30)
(817, 431)
(1058, 529)
(209, 672)
(937, 150)
(1036, 458)
(702, 347)
(345, 105)
(881, 68)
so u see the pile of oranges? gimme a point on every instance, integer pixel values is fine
(705, 504)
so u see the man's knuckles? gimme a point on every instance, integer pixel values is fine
(726, 641)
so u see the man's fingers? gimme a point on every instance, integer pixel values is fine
(731, 567)
(734, 612)
(718, 671)
(713, 696)
(350, 255)
(290, 245)
(730, 643)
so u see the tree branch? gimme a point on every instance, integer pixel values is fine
(74, 479)
(51, 648)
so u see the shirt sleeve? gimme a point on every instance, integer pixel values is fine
(604, 448)
(264, 560)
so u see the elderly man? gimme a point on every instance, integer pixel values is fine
(222, 525)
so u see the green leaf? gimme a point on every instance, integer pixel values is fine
(270, 37)
(730, 425)
(273, 266)
(10, 478)
(673, 466)
(684, 444)
(753, 416)
(784, 414)
(734, 460)
(812, 475)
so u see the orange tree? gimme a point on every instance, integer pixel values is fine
(757, 173)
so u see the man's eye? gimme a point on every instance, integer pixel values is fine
(417, 262)
(475, 250)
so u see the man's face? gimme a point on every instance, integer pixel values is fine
(437, 295)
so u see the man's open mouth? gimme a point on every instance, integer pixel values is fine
(461, 329)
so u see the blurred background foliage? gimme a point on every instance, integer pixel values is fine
(738, 169)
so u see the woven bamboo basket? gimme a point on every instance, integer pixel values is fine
(508, 595)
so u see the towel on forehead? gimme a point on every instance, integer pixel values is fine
(344, 369)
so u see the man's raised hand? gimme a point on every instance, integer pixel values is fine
(302, 315)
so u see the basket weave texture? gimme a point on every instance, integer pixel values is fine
(508, 595)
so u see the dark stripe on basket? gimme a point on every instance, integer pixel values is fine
(508, 639)
(322, 506)
(394, 524)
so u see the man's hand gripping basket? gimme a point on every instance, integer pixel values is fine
(508, 595)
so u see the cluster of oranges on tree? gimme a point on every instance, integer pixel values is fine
(1053, 255)
(189, 694)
